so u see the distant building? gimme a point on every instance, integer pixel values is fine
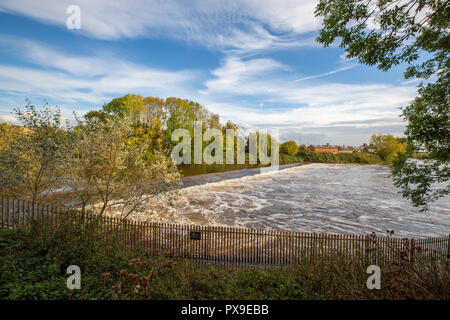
(345, 149)
(327, 148)
(331, 149)
(368, 148)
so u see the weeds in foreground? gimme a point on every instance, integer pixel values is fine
(33, 264)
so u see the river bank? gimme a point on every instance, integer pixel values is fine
(210, 177)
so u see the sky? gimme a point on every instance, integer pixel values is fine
(253, 62)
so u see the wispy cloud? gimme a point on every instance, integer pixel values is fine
(303, 105)
(239, 26)
(320, 124)
(249, 86)
(327, 73)
(8, 119)
(84, 79)
(238, 76)
(268, 80)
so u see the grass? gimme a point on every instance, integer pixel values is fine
(33, 264)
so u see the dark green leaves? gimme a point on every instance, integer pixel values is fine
(386, 33)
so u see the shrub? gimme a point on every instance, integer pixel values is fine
(289, 148)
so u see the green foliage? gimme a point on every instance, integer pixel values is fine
(31, 159)
(387, 147)
(129, 105)
(103, 163)
(289, 147)
(287, 159)
(266, 141)
(389, 32)
(325, 157)
(8, 133)
(428, 129)
(156, 119)
(33, 265)
(115, 164)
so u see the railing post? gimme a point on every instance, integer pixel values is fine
(2, 212)
(448, 247)
(412, 250)
(366, 251)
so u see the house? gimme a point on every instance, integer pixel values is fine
(331, 149)
(368, 148)
(327, 148)
(345, 149)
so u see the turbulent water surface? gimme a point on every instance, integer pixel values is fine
(315, 197)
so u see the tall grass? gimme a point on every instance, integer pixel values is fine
(33, 264)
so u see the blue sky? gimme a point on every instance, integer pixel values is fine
(253, 62)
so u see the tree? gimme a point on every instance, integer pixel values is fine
(8, 133)
(289, 147)
(387, 147)
(111, 170)
(302, 149)
(31, 161)
(181, 116)
(156, 119)
(155, 107)
(262, 148)
(428, 130)
(129, 105)
(389, 32)
(146, 116)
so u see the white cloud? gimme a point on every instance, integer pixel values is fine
(327, 73)
(9, 119)
(318, 108)
(314, 125)
(86, 79)
(412, 81)
(238, 28)
(264, 79)
(238, 76)
(311, 107)
(241, 26)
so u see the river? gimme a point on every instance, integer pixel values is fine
(355, 199)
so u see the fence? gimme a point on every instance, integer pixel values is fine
(230, 246)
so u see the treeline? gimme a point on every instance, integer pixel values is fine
(156, 119)
(112, 158)
(385, 149)
(322, 157)
(306, 155)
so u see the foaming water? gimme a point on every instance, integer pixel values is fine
(329, 198)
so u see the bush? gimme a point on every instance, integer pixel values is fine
(289, 148)
(286, 159)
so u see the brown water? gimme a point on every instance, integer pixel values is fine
(356, 199)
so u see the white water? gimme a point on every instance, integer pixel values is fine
(330, 198)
